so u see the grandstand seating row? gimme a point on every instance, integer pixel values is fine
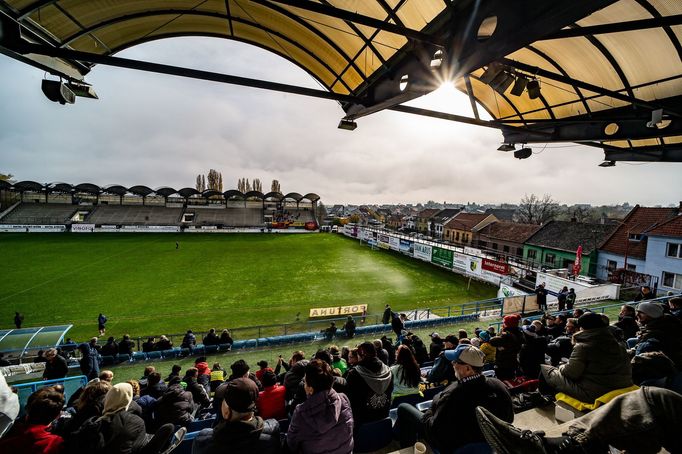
(39, 213)
(136, 215)
(237, 217)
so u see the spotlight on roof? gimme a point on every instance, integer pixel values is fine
(437, 60)
(519, 86)
(502, 82)
(507, 147)
(608, 164)
(348, 125)
(57, 91)
(494, 69)
(533, 88)
(523, 153)
(83, 90)
(656, 119)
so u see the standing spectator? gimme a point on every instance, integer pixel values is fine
(18, 320)
(406, 373)
(387, 315)
(324, 422)
(271, 400)
(349, 327)
(31, 435)
(89, 359)
(562, 297)
(125, 347)
(55, 367)
(541, 293)
(101, 324)
(645, 293)
(397, 326)
(369, 386)
(226, 338)
(508, 345)
(189, 341)
(570, 299)
(40, 357)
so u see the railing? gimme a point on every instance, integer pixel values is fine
(70, 384)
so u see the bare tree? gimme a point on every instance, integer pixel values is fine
(275, 186)
(536, 210)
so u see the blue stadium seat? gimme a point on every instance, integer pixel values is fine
(184, 352)
(211, 349)
(139, 356)
(199, 350)
(154, 355)
(123, 357)
(238, 345)
(197, 425)
(185, 446)
(108, 360)
(374, 436)
(170, 353)
(412, 399)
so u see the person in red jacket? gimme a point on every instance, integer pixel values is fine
(31, 436)
(270, 401)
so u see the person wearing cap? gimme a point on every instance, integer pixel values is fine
(369, 386)
(442, 369)
(486, 348)
(508, 344)
(598, 364)
(450, 423)
(324, 422)
(660, 332)
(240, 430)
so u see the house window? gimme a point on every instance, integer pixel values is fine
(635, 237)
(672, 280)
(632, 267)
(519, 251)
(505, 248)
(532, 253)
(482, 244)
(549, 259)
(674, 250)
(457, 236)
(611, 265)
(495, 246)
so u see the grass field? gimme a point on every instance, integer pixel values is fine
(145, 286)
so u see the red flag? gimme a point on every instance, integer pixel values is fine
(578, 261)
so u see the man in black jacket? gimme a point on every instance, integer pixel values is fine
(55, 367)
(198, 392)
(451, 423)
(369, 386)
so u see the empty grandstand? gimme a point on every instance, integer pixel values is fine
(236, 217)
(34, 213)
(134, 215)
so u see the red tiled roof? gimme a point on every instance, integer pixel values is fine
(465, 221)
(673, 227)
(427, 213)
(640, 220)
(510, 231)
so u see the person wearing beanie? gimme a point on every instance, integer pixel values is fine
(239, 430)
(486, 348)
(659, 332)
(508, 344)
(598, 364)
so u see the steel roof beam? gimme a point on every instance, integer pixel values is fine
(617, 27)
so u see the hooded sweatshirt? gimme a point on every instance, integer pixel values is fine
(323, 424)
(255, 436)
(369, 388)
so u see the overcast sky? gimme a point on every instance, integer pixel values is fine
(161, 130)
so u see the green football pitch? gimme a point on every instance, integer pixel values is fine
(146, 286)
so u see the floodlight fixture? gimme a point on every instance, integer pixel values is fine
(656, 119)
(348, 125)
(502, 82)
(493, 70)
(533, 88)
(404, 82)
(519, 85)
(523, 153)
(57, 91)
(82, 89)
(506, 147)
(437, 60)
(608, 164)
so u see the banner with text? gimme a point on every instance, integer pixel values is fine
(422, 251)
(406, 247)
(495, 266)
(82, 228)
(474, 266)
(338, 311)
(441, 256)
(394, 243)
(383, 241)
(460, 262)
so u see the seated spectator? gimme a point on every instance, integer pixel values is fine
(660, 332)
(199, 394)
(217, 377)
(324, 422)
(338, 362)
(369, 386)
(562, 346)
(263, 366)
(462, 334)
(598, 364)
(642, 421)
(487, 349)
(577, 312)
(330, 332)
(149, 345)
(451, 423)
(239, 429)
(163, 344)
(189, 340)
(143, 381)
(436, 346)
(225, 338)
(110, 348)
(382, 354)
(55, 367)
(508, 344)
(211, 338)
(106, 375)
(555, 325)
(656, 369)
(295, 356)
(406, 373)
(89, 404)
(421, 354)
(175, 372)
(31, 435)
(175, 406)
(442, 370)
(125, 347)
(349, 327)
(240, 369)
(155, 386)
(203, 373)
(627, 321)
(532, 353)
(387, 345)
(271, 400)
(675, 305)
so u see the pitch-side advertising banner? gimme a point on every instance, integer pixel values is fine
(474, 266)
(82, 228)
(460, 261)
(441, 257)
(495, 266)
(406, 247)
(394, 243)
(367, 235)
(383, 241)
(340, 310)
(422, 251)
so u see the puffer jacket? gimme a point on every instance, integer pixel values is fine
(175, 406)
(322, 424)
(508, 345)
(598, 364)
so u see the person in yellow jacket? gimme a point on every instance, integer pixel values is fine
(486, 348)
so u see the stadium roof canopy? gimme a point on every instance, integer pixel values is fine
(606, 73)
(20, 341)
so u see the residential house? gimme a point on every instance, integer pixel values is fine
(424, 220)
(626, 248)
(556, 243)
(505, 238)
(408, 223)
(664, 254)
(441, 218)
(394, 222)
(503, 214)
(462, 228)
